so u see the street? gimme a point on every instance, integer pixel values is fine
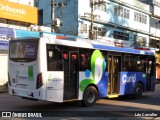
(149, 102)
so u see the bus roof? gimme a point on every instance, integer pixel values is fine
(124, 50)
(92, 44)
(103, 46)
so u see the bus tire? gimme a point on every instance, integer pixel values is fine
(89, 97)
(138, 91)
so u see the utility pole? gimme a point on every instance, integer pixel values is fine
(91, 32)
(56, 21)
(52, 15)
(93, 16)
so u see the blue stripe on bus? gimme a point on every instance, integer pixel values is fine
(128, 81)
(125, 50)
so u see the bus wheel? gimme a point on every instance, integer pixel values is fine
(90, 96)
(138, 91)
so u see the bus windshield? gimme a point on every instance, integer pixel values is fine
(23, 51)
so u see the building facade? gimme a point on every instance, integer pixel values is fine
(155, 31)
(120, 23)
(16, 20)
(125, 23)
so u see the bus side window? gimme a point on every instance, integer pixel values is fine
(126, 63)
(150, 66)
(140, 64)
(54, 58)
(153, 67)
(84, 59)
(109, 65)
(105, 56)
(65, 56)
(143, 64)
(83, 62)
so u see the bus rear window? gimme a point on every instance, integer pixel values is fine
(23, 50)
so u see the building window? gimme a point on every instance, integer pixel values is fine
(144, 19)
(154, 43)
(100, 7)
(127, 14)
(120, 35)
(138, 17)
(120, 11)
(103, 8)
(99, 31)
(83, 28)
(135, 16)
(115, 10)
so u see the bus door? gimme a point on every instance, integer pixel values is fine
(114, 67)
(149, 72)
(70, 66)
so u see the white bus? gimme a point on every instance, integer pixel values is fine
(60, 70)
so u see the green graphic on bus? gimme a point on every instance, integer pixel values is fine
(30, 72)
(97, 68)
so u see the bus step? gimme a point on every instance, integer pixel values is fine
(113, 96)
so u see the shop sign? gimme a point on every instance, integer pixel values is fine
(5, 37)
(18, 12)
(6, 34)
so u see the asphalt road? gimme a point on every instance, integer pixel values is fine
(105, 108)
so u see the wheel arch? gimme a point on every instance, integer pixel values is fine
(138, 90)
(140, 82)
(93, 89)
(93, 86)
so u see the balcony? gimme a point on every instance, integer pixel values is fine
(136, 4)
